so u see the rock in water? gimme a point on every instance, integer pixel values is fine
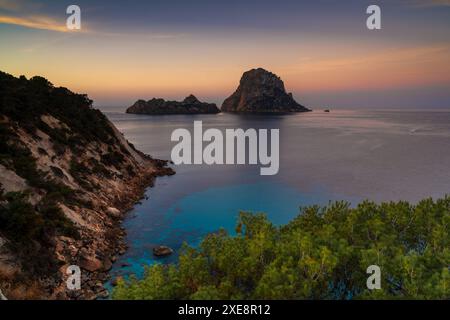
(261, 91)
(190, 105)
(162, 251)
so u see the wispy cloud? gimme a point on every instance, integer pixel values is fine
(52, 24)
(10, 5)
(35, 22)
(29, 14)
(18, 5)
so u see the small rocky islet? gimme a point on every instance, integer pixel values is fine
(158, 106)
(259, 91)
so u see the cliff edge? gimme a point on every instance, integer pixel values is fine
(67, 177)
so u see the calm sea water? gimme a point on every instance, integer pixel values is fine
(343, 155)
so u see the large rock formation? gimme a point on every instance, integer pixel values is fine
(67, 177)
(190, 105)
(261, 91)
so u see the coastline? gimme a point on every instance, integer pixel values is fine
(92, 281)
(68, 177)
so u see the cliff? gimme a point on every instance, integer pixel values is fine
(190, 105)
(67, 177)
(261, 91)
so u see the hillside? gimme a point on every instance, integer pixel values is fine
(67, 176)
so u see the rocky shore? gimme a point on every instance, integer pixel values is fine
(96, 257)
(67, 179)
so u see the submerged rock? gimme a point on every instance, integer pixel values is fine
(261, 91)
(162, 251)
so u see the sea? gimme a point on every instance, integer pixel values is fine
(350, 155)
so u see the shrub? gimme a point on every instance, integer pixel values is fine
(321, 254)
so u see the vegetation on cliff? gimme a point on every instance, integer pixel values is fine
(322, 254)
(25, 101)
(66, 177)
(30, 228)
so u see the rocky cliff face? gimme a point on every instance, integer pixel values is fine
(261, 91)
(67, 177)
(190, 105)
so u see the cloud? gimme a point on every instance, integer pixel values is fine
(35, 22)
(28, 14)
(10, 5)
(18, 5)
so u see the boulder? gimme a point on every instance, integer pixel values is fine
(162, 251)
(114, 212)
(107, 265)
(91, 264)
(103, 294)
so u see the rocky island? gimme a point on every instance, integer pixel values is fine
(67, 177)
(158, 106)
(261, 91)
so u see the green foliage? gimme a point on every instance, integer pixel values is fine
(22, 222)
(30, 229)
(112, 158)
(18, 219)
(322, 254)
(25, 101)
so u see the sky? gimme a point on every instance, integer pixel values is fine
(322, 49)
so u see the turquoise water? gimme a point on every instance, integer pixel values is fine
(342, 155)
(193, 216)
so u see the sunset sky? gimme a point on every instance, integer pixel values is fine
(321, 49)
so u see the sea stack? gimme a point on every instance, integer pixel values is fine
(261, 91)
(158, 106)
